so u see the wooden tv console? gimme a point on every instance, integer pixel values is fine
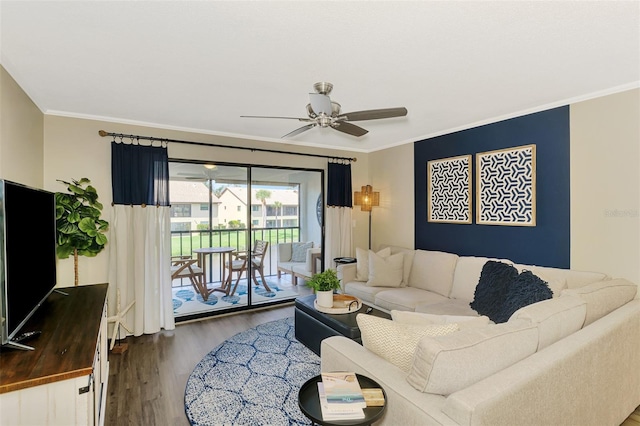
(63, 381)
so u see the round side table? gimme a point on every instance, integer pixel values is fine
(309, 403)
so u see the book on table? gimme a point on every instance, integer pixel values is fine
(342, 388)
(337, 411)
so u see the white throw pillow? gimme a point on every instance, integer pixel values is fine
(385, 271)
(419, 318)
(396, 342)
(362, 259)
(299, 251)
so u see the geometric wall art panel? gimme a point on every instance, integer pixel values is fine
(506, 187)
(449, 190)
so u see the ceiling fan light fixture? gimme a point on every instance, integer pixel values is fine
(210, 166)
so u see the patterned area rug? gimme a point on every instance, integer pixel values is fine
(253, 378)
(186, 301)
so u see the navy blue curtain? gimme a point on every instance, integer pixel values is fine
(339, 192)
(139, 174)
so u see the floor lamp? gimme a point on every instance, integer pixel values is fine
(367, 199)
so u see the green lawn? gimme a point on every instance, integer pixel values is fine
(185, 243)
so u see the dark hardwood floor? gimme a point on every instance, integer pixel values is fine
(147, 382)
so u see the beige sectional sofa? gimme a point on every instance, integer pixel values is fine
(570, 360)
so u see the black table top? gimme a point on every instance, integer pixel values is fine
(309, 403)
(344, 323)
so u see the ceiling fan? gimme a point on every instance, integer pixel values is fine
(324, 112)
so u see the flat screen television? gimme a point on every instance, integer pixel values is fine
(27, 254)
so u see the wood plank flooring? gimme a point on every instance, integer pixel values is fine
(147, 382)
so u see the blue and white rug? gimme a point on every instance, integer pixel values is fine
(186, 301)
(253, 378)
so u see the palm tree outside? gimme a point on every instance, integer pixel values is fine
(262, 195)
(278, 207)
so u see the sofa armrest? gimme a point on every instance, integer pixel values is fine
(346, 274)
(309, 259)
(405, 404)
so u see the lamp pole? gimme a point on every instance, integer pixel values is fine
(369, 229)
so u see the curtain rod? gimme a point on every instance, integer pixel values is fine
(152, 139)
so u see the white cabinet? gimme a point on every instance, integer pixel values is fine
(64, 380)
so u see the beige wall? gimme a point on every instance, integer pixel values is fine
(21, 134)
(73, 149)
(605, 185)
(392, 174)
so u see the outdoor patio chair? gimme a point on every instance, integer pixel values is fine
(240, 264)
(185, 267)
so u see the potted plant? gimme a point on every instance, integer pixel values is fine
(80, 229)
(324, 283)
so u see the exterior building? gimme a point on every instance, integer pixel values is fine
(190, 207)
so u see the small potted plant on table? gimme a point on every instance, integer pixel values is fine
(324, 283)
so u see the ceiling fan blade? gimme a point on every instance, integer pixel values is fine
(320, 103)
(373, 114)
(285, 118)
(349, 128)
(300, 130)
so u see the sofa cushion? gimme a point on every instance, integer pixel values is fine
(362, 262)
(565, 278)
(385, 271)
(299, 251)
(396, 342)
(603, 297)
(446, 364)
(524, 290)
(433, 271)
(492, 288)
(406, 298)
(447, 307)
(363, 291)
(420, 318)
(467, 275)
(556, 318)
(284, 252)
(407, 262)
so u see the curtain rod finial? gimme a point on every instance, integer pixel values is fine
(103, 133)
(354, 159)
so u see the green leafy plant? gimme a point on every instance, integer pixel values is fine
(324, 281)
(81, 232)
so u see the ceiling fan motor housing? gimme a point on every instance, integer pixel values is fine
(323, 87)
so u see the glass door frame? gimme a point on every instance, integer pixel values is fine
(249, 229)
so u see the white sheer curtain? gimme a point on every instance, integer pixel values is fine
(339, 238)
(140, 259)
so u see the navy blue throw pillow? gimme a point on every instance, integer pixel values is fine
(492, 288)
(526, 289)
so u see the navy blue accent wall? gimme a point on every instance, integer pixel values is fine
(547, 243)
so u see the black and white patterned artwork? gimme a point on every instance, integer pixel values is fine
(506, 187)
(449, 190)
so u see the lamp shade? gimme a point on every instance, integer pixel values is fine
(366, 198)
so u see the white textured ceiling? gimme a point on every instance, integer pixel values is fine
(200, 65)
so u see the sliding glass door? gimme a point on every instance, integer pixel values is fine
(231, 219)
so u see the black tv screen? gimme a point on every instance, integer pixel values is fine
(28, 252)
